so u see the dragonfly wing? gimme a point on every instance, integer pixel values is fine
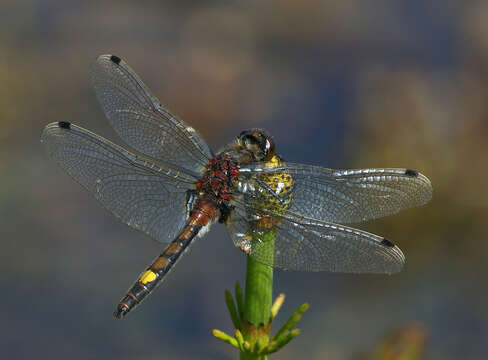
(304, 222)
(313, 245)
(139, 118)
(349, 196)
(147, 195)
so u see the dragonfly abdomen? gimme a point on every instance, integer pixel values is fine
(202, 215)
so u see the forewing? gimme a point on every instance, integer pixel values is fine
(139, 118)
(313, 245)
(147, 195)
(348, 196)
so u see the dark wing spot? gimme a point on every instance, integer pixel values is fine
(115, 59)
(386, 242)
(64, 125)
(410, 172)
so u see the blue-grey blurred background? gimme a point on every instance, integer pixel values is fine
(340, 84)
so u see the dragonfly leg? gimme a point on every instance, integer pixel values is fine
(225, 210)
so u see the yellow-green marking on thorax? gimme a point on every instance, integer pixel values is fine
(274, 200)
(281, 184)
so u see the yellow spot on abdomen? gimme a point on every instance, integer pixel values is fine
(147, 277)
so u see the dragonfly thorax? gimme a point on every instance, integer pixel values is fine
(220, 178)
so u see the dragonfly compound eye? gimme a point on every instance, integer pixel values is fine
(258, 143)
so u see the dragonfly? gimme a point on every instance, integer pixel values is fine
(169, 184)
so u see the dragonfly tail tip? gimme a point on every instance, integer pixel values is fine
(121, 311)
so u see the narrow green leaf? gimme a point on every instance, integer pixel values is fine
(292, 321)
(278, 343)
(277, 305)
(239, 300)
(236, 319)
(247, 346)
(304, 307)
(224, 337)
(240, 339)
(287, 326)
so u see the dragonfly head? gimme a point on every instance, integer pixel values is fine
(257, 143)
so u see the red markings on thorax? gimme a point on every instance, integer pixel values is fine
(219, 178)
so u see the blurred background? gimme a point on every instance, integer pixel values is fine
(341, 84)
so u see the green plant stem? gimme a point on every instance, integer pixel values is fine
(254, 312)
(258, 293)
(258, 298)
